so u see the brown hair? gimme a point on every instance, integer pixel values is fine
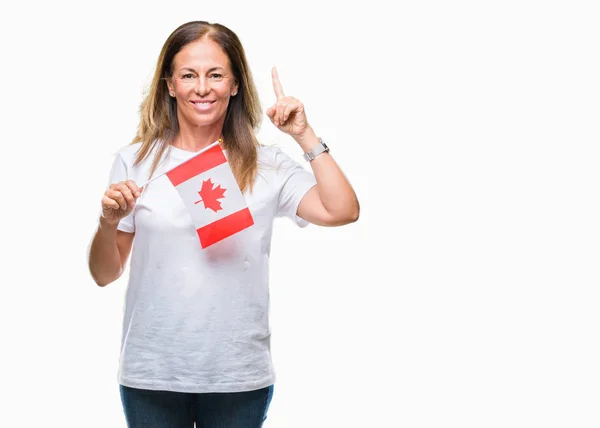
(158, 111)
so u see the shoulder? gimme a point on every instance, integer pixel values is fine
(267, 153)
(128, 153)
(280, 169)
(275, 157)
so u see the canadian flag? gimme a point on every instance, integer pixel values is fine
(212, 196)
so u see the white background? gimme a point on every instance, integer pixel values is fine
(465, 296)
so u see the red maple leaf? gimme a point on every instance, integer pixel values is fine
(209, 195)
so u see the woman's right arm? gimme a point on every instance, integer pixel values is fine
(111, 247)
(109, 252)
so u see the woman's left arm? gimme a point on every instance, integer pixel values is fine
(332, 202)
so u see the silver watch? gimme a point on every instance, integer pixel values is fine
(321, 148)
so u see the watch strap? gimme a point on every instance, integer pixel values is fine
(321, 148)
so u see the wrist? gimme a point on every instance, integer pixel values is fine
(321, 148)
(308, 140)
(107, 224)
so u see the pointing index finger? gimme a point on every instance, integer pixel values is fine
(277, 84)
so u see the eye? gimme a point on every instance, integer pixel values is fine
(216, 76)
(187, 76)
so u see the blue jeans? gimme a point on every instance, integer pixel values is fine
(167, 409)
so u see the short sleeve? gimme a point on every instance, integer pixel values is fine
(119, 172)
(296, 182)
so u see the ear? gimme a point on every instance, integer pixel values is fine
(170, 87)
(234, 90)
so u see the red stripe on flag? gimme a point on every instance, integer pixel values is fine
(227, 226)
(197, 165)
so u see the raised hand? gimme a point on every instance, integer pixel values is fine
(288, 113)
(119, 200)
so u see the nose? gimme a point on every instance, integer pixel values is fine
(202, 88)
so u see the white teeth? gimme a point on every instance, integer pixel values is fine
(203, 103)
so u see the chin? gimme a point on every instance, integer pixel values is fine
(204, 120)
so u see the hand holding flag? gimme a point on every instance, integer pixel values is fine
(119, 200)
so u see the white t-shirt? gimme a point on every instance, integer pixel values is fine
(197, 320)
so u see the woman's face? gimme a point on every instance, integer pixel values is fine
(202, 83)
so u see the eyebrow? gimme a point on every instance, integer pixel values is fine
(209, 70)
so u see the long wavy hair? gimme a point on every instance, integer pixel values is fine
(158, 112)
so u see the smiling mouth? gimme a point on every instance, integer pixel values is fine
(202, 105)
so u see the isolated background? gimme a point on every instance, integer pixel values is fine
(465, 296)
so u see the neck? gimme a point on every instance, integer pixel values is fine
(196, 138)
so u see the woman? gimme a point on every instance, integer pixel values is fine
(196, 341)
